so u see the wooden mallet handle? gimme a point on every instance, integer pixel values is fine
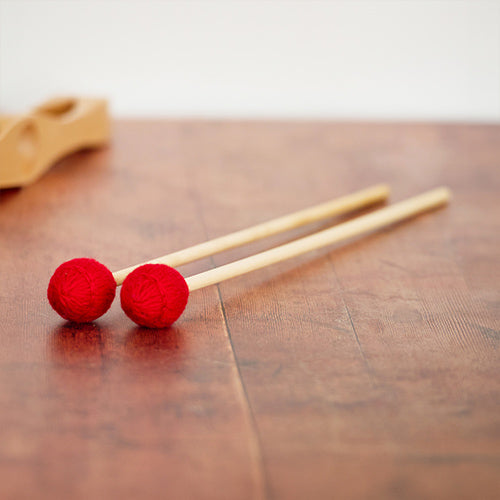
(364, 224)
(349, 203)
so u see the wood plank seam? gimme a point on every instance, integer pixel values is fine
(368, 367)
(261, 468)
(256, 452)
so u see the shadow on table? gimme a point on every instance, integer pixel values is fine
(75, 343)
(7, 194)
(91, 343)
(146, 344)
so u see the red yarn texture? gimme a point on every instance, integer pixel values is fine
(81, 290)
(154, 295)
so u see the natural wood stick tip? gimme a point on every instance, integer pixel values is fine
(380, 191)
(385, 189)
(447, 192)
(444, 193)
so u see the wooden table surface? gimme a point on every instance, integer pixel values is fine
(370, 370)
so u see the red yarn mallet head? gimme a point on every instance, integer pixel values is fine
(81, 290)
(154, 295)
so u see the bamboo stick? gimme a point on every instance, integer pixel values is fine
(362, 225)
(345, 204)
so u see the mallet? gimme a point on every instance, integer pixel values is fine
(81, 290)
(155, 295)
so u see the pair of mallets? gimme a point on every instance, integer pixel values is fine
(154, 294)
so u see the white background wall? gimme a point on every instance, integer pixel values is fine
(396, 59)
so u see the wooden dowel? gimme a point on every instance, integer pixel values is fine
(364, 224)
(331, 208)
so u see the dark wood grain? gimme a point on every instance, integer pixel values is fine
(370, 370)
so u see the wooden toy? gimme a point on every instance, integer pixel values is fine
(32, 143)
(83, 289)
(155, 295)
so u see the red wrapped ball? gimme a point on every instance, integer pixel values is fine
(154, 295)
(81, 290)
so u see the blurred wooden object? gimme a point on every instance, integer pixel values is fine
(366, 371)
(32, 143)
